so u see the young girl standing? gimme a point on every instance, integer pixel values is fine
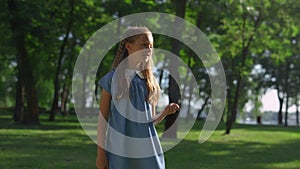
(133, 117)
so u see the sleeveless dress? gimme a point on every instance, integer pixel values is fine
(131, 141)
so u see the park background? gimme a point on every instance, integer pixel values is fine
(257, 42)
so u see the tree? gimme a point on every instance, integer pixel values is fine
(277, 56)
(244, 32)
(62, 49)
(7, 60)
(173, 91)
(20, 27)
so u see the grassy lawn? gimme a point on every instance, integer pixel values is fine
(248, 147)
(64, 145)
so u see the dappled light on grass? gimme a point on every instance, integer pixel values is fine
(280, 165)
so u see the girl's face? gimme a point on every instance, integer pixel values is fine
(141, 49)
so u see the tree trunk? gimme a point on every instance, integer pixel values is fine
(228, 99)
(280, 110)
(286, 110)
(19, 107)
(174, 94)
(162, 71)
(64, 99)
(230, 89)
(202, 107)
(14, 24)
(20, 95)
(258, 120)
(297, 117)
(286, 86)
(174, 97)
(25, 83)
(297, 110)
(54, 108)
(31, 114)
(189, 114)
(190, 89)
(235, 106)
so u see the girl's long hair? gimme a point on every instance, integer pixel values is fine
(132, 34)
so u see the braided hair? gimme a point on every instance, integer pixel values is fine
(122, 53)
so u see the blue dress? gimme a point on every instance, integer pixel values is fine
(131, 141)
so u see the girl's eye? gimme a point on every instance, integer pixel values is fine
(147, 45)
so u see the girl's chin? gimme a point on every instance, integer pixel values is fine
(142, 65)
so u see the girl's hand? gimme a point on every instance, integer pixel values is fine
(101, 161)
(171, 108)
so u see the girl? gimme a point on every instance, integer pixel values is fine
(131, 118)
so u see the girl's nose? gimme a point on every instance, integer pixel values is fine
(149, 48)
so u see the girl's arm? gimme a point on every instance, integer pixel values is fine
(170, 109)
(105, 99)
(104, 112)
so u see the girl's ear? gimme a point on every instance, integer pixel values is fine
(128, 47)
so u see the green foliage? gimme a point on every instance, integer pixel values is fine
(265, 32)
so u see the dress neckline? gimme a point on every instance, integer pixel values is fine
(131, 72)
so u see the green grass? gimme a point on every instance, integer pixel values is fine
(64, 145)
(248, 147)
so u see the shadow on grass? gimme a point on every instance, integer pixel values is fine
(229, 152)
(68, 122)
(271, 128)
(60, 144)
